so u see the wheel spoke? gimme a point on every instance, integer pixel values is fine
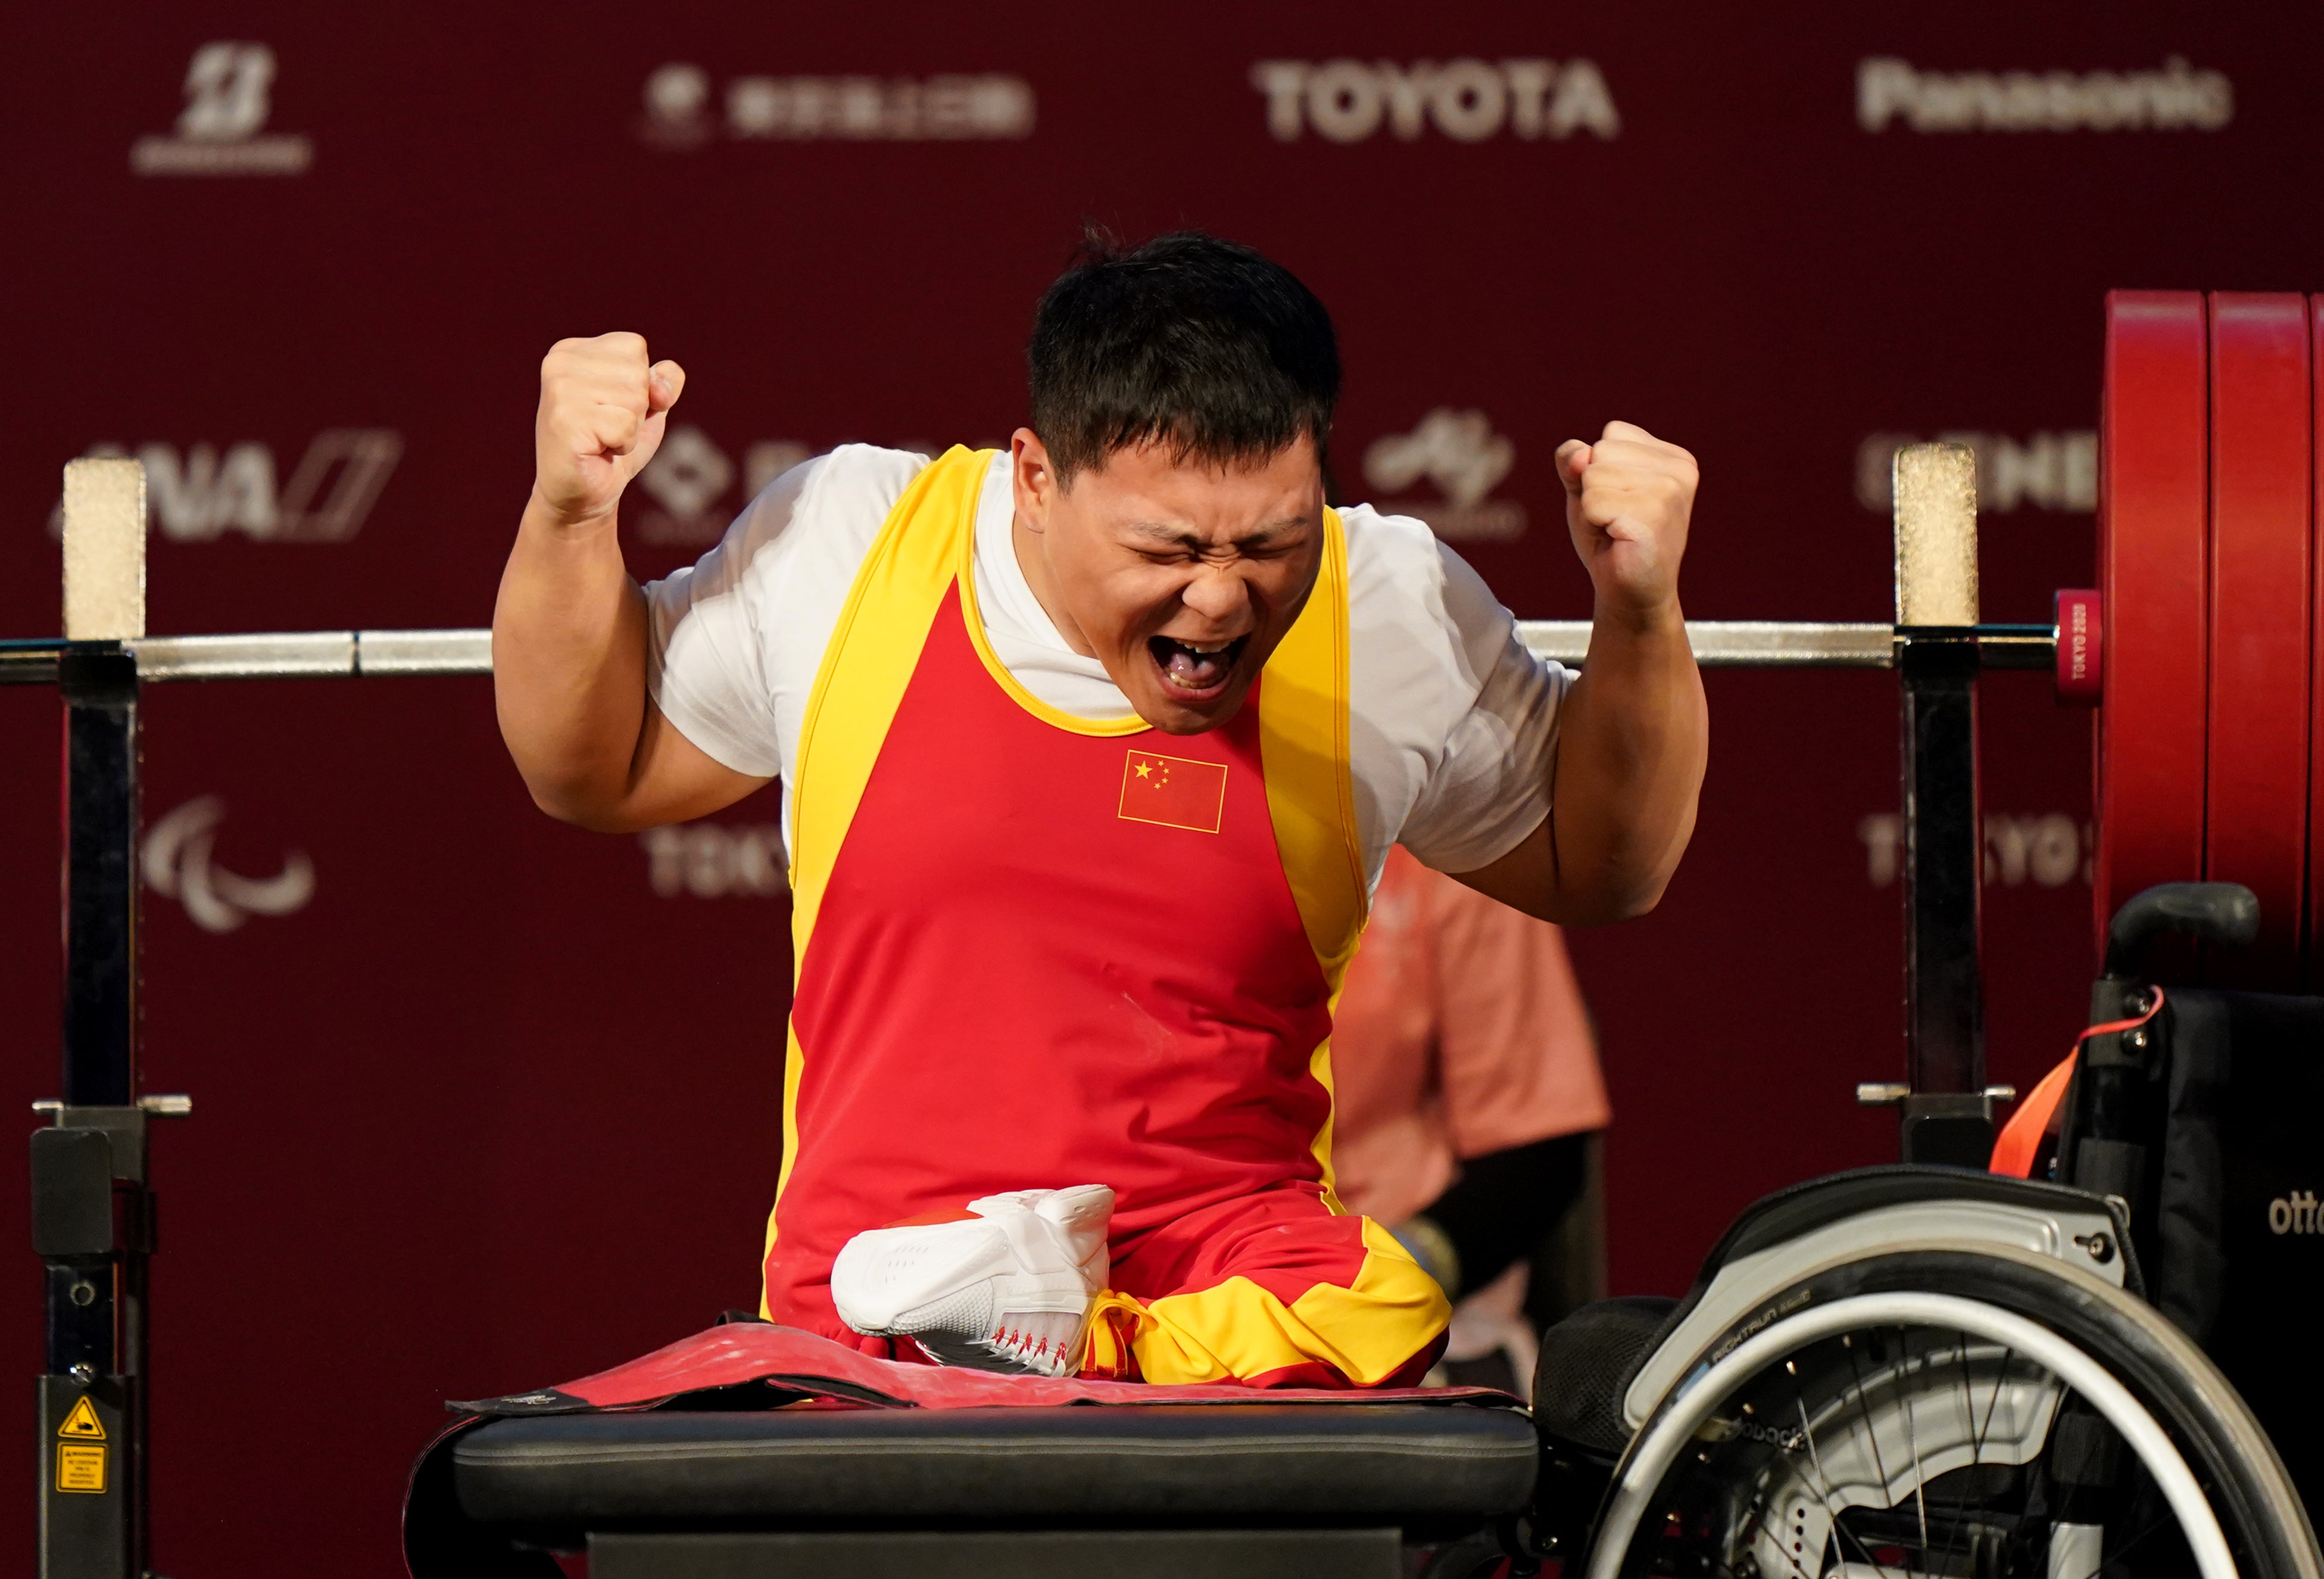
(1823, 1487)
(2000, 1378)
(1969, 1402)
(1864, 1410)
(1913, 1442)
(2129, 1545)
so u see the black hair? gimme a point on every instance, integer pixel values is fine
(1188, 340)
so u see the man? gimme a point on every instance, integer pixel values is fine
(1091, 753)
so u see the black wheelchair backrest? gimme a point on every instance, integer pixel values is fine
(2224, 913)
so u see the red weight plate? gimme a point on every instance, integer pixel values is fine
(2255, 802)
(2149, 757)
(2315, 917)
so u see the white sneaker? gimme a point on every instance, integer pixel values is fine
(1009, 1289)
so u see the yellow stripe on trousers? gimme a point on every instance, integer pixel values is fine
(1367, 1331)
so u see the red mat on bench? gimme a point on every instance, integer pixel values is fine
(816, 1368)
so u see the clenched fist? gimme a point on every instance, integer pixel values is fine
(603, 410)
(1628, 498)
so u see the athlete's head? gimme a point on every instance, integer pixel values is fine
(1170, 490)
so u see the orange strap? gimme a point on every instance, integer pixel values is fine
(2021, 1138)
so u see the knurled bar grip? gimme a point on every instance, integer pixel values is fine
(315, 655)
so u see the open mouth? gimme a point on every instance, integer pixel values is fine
(1196, 670)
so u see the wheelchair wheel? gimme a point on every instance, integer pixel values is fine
(2030, 1421)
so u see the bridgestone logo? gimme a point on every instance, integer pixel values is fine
(2175, 98)
(258, 156)
(2293, 1214)
(228, 102)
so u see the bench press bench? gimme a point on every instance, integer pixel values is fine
(1256, 1490)
(751, 1449)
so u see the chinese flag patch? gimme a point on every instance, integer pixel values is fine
(1174, 791)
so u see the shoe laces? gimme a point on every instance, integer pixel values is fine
(1045, 1352)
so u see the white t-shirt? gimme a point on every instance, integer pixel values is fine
(1452, 724)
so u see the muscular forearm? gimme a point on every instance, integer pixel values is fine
(569, 667)
(569, 631)
(1633, 731)
(1633, 737)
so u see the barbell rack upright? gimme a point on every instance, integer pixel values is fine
(92, 1209)
(1947, 1112)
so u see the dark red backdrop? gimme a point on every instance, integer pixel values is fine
(497, 1103)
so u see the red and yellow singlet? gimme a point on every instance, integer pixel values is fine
(1035, 950)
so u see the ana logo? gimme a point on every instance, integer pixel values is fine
(1467, 100)
(198, 494)
(1461, 454)
(678, 113)
(226, 105)
(179, 864)
(2051, 471)
(2172, 99)
(2293, 1214)
(710, 861)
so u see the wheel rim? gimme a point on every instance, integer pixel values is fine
(1699, 1397)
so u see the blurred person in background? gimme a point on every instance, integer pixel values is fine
(1468, 1101)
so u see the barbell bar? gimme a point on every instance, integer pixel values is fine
(363, 655)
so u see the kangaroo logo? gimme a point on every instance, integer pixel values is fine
(1461, 454)
(179, 864)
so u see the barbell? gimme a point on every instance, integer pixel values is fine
(2196, 645)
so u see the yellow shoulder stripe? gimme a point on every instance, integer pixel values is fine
(1303, 733)
(866, 666)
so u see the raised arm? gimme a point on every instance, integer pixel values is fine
(569, 629)
(1634, 731)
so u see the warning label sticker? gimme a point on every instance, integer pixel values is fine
(80, 1466)
(82, 1422)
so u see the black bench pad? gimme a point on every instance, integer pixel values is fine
(1210, 1462)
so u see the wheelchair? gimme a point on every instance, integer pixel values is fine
(1900, 1372)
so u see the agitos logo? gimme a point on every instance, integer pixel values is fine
(179, 861)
